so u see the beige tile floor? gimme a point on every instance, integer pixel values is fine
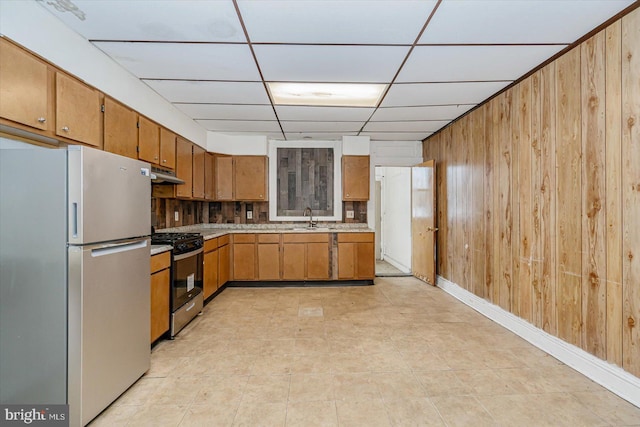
(399, 353)
(384, 269)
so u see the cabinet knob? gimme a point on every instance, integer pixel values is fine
(261, 196)
(41, 120)
(348, 194)
(65, 128)
(155, 158)
(164, 161)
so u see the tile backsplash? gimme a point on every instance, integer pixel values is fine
(163, 212)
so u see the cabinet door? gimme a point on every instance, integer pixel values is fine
(24, 87)
(77, 111)
(244, 257)
(224, 177)
(268, 261)
(224, 261)
(365, 259)
(167, 148)
(346, 260)
(318, 261)
(120, 129)
(184, 167)
(148, 140)
(250, 177)
(355, 178)
(293, 261)
(198, 172)
(210, 273)
(209, 168)
(159, 303)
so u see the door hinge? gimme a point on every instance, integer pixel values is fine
(138, 125)
(137, 149)
(102, 108)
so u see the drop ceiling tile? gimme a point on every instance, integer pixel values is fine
(289, 126)
(211, 92)
(396, 136)
(318, 136)
(169, 20)
(421, 94)
(406, 126)
(288, 112)
(359, 22)
(226, 111)
(263, 126)
(329, 63)
(508, 21)
(437, 112)
(186, 61)
(473, 63)
(269, 135)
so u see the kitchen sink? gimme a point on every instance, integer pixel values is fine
(310, 229)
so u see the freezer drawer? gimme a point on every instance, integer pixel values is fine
(109, 321)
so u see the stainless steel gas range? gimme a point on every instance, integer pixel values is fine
(186, 276)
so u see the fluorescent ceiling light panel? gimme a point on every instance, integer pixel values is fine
(327, 94)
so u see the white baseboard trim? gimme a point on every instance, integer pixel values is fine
(612, 377)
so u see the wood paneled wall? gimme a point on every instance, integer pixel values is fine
(538, 196)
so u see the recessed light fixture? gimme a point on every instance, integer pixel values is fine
(326, 94)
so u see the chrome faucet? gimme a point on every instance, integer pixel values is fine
(311, 221)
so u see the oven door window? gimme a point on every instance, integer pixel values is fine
(187, 279)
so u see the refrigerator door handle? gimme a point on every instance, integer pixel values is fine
(119, 247)
(74, 219)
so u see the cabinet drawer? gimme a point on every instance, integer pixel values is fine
(223, 240)
(244, 238)
(355, 237)
(211, 244)
(305, 237)
(269, 238)
(160, 261)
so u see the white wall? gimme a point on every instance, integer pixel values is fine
(389, 153)
(237, 144)
(30, 25)
(396, 216)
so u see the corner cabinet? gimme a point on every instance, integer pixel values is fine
(250, 178)
(160, 292)
(355, 178)
(198, 176)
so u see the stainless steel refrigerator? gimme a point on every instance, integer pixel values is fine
(74, 276)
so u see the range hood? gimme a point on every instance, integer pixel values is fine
(160, 176)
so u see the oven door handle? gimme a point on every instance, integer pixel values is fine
(188, 254)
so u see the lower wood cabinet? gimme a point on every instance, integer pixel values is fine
(160, 293)
(268, 256)
(305, 256)
(224, 259)
(244, 257)
(210, 271)
(356, 256)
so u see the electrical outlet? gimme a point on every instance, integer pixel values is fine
(176, 215)
(249, 214)
(349, 214)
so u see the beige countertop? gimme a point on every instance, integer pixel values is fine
(158, 249)
(210, 231)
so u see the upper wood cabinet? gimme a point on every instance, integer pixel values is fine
(167, 148)
(77, 110)
(199, 155)
(148, 140)
(250, 175)
(223, 177)
(24, 87)
(120, 129)
(184, 168)
(209, 168)
(355, 178)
